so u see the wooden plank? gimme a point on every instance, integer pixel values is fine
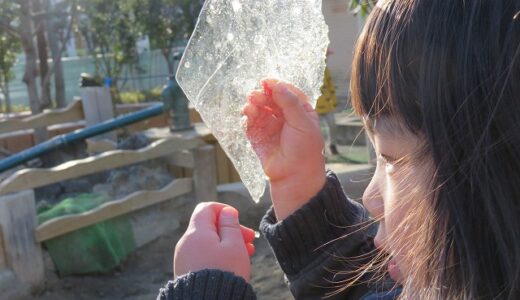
(32, 178)
(159, 121)
(3, 144)
(175, 171)
(64, 128)
(205, 174)
(3, 258)
(59, 226)
(188, 173)
(97, 107)
(99, 146)
(182, 159)
(18, 224)
(17, 143)
(200, 130)
(222, 165)
(235, 177)
(160, 220)
(194, 115)
(73, 112)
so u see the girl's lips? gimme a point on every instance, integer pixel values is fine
(393, 270)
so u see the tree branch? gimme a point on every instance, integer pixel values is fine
(10, 29)
(63, 45)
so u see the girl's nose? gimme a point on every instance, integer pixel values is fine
(372, 198)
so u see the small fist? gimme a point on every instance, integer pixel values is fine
(215, 240)
(285, 133)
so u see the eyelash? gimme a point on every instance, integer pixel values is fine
(389, 162)
(385, 158)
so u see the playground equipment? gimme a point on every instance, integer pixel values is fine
(78, 135)
(176, 104)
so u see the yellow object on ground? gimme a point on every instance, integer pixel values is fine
(328, 100)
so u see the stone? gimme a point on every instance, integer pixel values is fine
(77, 186)
(235, 45)
(134, 142)
(103, 189)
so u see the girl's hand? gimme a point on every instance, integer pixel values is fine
(284, 130)
(215, 240)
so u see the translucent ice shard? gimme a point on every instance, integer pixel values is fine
(236, 43)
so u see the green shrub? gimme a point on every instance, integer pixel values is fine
(132, 97)
(16, 108)
(141, 96)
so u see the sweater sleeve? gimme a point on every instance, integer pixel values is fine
(206, 285)
(318, 245)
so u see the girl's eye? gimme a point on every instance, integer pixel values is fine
(388, 162)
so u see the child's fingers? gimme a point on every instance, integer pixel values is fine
(206, 215)
(250, 111)
(229, 229)
(293, 109)
(292, 101)
(301, 95)
(308, 107)
(269, 86)
(248, 234)
(250, 249)
(258, 98)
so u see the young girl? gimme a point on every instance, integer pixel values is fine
(437, 83)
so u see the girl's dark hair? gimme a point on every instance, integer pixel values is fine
(449, 70)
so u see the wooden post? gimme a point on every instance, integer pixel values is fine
(3, 259)
(205, 174)
(97, 107)
(18, 224)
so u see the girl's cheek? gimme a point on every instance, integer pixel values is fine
(380, 238)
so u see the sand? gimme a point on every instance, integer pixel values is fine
(146, 270)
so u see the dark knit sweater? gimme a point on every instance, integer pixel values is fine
(207, 284)
(315, 247)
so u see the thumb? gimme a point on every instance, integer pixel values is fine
(291, 105)
(228, 225)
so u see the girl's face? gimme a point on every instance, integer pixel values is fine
(391, 193)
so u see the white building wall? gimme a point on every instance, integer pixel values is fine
(344, 28)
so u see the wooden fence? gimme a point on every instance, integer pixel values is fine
(20, 249)
(16, 133)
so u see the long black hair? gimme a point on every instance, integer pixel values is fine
(449, 71)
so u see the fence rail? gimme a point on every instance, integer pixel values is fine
(136, 201)
(72, 113)
(33, 178)
(21, 250)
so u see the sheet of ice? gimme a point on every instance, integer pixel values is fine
(236, 43)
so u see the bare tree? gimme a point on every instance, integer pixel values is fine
(41, 42)
(166, 23)
(9, 48)
(25, 33)
(58, 34)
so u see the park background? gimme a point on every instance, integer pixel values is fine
(148, 72)
(134, 43)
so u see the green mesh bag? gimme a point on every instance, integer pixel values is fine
(94, 249)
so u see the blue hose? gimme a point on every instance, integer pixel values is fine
(81, 134)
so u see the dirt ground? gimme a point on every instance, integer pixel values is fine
(149, 268)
